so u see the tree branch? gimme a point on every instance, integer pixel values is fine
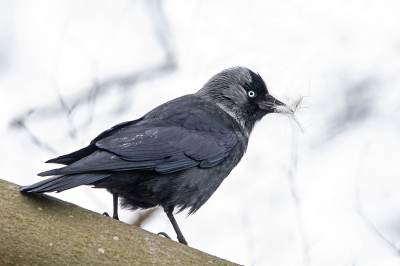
(37, 229)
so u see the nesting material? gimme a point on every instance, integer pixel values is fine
(290, 109)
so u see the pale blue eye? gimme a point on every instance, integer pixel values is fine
(251, 94)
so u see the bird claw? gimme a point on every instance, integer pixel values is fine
(115, 217)
(164, 234)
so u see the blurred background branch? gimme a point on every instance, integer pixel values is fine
(64, 107)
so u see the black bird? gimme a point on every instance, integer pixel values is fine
(176, 155)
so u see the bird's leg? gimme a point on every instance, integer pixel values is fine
(179, 234)
(115, 208)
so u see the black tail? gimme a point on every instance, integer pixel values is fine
(63, 182)
(74, 156)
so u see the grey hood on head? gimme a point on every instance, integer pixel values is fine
(230, 89)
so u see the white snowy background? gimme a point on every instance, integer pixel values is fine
(328, 196)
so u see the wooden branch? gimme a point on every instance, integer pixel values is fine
(37, 229)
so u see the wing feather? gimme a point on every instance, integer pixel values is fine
(151, 144)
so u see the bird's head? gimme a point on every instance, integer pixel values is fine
(242, 94)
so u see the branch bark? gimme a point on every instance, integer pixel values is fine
(42, 230)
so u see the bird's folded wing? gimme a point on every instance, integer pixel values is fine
(164, 149)
(171, 148)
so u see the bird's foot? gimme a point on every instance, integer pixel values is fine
(114, 216)
(181, 240)
(164, 234)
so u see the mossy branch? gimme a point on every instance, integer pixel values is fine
(43, 230)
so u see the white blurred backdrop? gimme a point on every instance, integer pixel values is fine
(328, 196)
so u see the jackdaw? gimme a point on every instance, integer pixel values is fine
(176, 155)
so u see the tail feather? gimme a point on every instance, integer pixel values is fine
(78, 180)
(57, 171)
(63, 182)
(74, 156)
(35, 187)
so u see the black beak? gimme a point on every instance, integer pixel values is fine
(270, 104)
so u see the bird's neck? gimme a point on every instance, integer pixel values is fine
(245, 118)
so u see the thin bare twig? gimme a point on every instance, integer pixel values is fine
(19, 123)
(291, 173)
(386, 243)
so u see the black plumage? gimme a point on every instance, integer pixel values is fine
(176, 155)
